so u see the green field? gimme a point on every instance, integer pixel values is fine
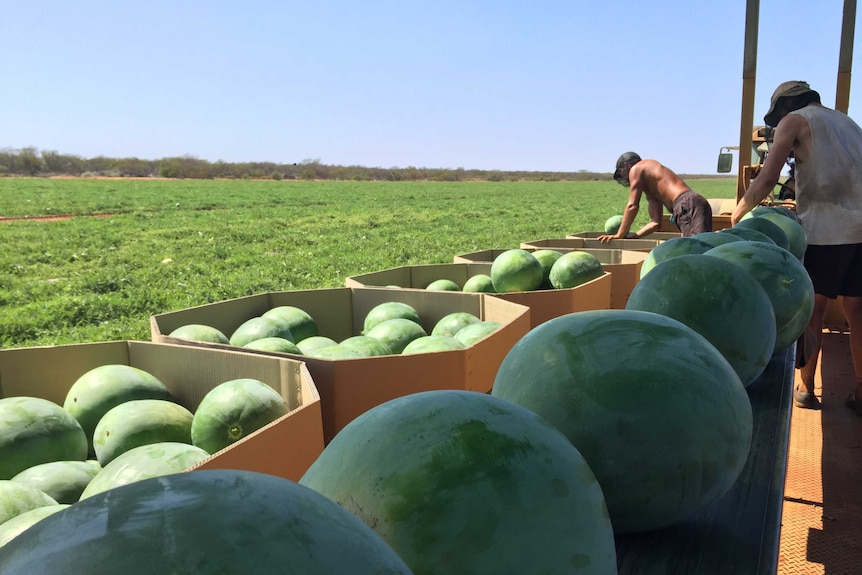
(163, 245)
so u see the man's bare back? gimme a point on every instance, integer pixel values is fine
(657, 182)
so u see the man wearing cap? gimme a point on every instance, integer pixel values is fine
(827, 147)
(663, 189)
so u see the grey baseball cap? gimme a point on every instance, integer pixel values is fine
(784, 90)
(627, 158)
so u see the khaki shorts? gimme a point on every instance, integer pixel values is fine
(692, 213)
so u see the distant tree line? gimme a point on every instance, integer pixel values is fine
(34, 162)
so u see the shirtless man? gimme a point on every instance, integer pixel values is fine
(663, 189)
(827, 146)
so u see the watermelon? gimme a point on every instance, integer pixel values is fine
(276, 344)
(20, 523)
(396, 333)
(476, 331)
(17, 498)
(298, 321)
(200, 332)
(308, 345)
(451, 323)
(717, 299)
(672, 248)
(367, 346)
(232, 410)
(140, 422)
(575, 268)
(785, 280)
(337, 351)
(107, 386)
(432, 343)
(462, 482)
(658, 413)
(716, 239)
(480, 283)
(547, 258)
(749, 234)
(389, 310)
(443, 285)
(144, 462)
(612, 224)
(516, 270)
(796, 236)
(764, 225)
(206, 522)
(63, 481)
(258, 328)
(35, 430)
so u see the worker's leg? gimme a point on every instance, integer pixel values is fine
(815, 328)
(853, 311)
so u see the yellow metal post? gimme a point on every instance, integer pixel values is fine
(845, 57)
(749, 74)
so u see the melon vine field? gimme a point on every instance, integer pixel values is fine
(162, 245)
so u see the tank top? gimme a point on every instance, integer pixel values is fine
(829, 183)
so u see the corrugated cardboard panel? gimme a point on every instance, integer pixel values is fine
(580, 243)
(653, 236)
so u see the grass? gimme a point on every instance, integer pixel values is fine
(163, 245)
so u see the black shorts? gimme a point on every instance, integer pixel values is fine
(692, 213)
(835, 270)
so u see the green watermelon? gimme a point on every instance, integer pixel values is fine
(298, 321)
(389, 310)
(749, 234)
(337, 351)
(451, 323)
(366, 345)
(476, 331)
(20, 523)
(107, 386)
(516, 270)
(658, 413)
(200, 332)
(785, 280)
(63, 481)
(547, 258)
(612, 224)
(764, 225)
(443, 285)
(232, 410)
(308, 345)
(462, 482)
(717, 299)
(575, 268)
(479, 283)
(144, 462)
(140, 422)
(204, 522)
(277, 344)
(17, 498)
(672, 248)
(33, 431)
(258, 328)
(796, 236)
(396, 333)
(716, 239)
(432, 343)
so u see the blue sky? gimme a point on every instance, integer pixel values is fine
(561, 86)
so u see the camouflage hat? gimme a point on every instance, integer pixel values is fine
(627, 158)
(785, 90)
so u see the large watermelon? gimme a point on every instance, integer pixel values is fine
(462, 482)
(396, 333)
(717, 299)
(17, 498)
(20, 523)
(575, 268)
(258, 328)
(547, 258)
(200, 332)
(63, 481)
(516, 270)
(204, 522)
(33, 431)
(451, 323)
(672, 248)
(765, 226)
(140, 422)
(389, 310)
(107, 386)
(785, 280)
(786, 220)
(660, 416)
(232, 410)
(298, 321)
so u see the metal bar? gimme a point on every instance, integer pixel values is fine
(749, 74)
(845, 57)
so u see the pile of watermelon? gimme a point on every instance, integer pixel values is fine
(600, 423)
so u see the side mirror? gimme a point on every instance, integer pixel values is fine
(725, 162)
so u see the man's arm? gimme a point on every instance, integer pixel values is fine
(629, 214)
(785, 135)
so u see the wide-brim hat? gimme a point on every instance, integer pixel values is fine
(627, 158)
(784, 90)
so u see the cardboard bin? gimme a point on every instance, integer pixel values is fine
(350, 387)
(661, 236)
(623, 265)
(543, 304)
(639, 245)
(285, 447)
